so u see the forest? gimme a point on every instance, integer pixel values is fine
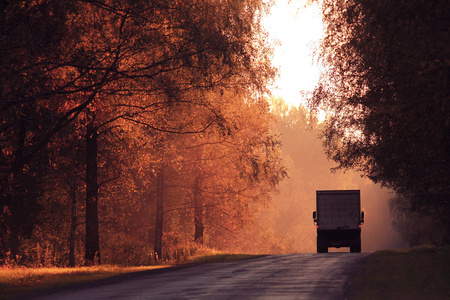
(139, 130)
(134, 125)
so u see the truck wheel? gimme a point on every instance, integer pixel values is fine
(355, 249)
(322, 249)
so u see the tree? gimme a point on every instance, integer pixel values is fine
(235, 167)
(46, 83)
(213, 178)
(386, 91)
(98, 63)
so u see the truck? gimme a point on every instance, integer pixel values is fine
(338, 218)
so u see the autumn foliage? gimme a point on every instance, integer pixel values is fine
(131, 130)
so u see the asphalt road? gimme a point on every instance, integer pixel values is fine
(291, 276)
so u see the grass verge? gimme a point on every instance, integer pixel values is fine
(416, 273)
(220, 258)
(18, 281)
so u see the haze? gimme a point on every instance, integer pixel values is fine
(285, 225)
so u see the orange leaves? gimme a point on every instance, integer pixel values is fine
(157, 79)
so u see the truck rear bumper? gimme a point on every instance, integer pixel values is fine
(339, 238)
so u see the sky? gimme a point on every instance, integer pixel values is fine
(296, 28)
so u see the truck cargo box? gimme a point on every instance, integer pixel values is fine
(338, 219)
(338, 209)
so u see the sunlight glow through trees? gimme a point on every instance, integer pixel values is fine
(295, 27)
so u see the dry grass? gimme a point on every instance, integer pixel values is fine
(220, 258)
(16, 281)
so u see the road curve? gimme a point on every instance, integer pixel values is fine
(291, 276)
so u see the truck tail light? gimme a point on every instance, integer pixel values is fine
(359, 225)
(317, 226)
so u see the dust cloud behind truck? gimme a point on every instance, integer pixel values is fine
(338, 218)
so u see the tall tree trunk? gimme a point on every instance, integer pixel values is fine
(73, 224)
(159, 211)
(92, 245)
(198, 211)
(16, 198)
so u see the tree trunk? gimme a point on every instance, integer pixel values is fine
(159, 211)
(92, 247)
(198, 211)
(73, 224)
(15, 200)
